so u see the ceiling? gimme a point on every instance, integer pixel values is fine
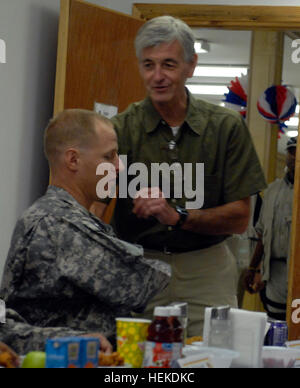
(233, 48)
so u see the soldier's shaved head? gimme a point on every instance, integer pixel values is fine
(73, 128)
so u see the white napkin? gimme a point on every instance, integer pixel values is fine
(248, 336)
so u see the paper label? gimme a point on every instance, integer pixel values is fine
(177, 351)
(105, 110)
(158, 355)
(202, 361)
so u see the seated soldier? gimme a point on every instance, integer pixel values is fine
(65, 267)
(24, 338)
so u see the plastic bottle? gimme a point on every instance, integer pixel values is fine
(177, 329)
(159, 345)
(220, 335)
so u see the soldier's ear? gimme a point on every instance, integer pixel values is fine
(71, 157)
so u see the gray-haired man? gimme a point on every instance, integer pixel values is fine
(171, 126)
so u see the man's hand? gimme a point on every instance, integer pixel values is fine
(253, 282)
(150, 202)
(105, 345)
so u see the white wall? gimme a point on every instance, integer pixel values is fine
(29, 28)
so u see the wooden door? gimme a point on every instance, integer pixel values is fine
(96, 60)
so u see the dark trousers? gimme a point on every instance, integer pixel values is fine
(269, 303)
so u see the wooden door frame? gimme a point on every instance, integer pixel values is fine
(270, 18)
(231, 17)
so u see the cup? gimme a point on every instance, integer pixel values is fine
(131, 337)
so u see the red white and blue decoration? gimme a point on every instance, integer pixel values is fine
(277, 105)
(237, 97)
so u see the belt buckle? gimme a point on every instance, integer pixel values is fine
(166, 251)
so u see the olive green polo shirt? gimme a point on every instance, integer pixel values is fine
(212, 135)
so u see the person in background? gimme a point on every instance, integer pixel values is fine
(171, 126)
(243, 246)
(268, 271)
(65, 267)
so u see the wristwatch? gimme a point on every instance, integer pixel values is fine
(183, 213)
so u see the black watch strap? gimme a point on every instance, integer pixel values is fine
(183, 213)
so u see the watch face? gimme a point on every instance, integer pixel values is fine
(181, 211)
(178, 209)
(183, 215)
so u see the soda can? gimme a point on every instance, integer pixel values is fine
(277, 334)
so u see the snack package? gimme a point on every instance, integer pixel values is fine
(72, 352)
(89, 350)
(63, 353)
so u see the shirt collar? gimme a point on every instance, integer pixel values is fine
(152, 118)
(195, 121)
(67, 200)
(64, 196)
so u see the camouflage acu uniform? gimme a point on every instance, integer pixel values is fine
(23, 338)
(65, 268)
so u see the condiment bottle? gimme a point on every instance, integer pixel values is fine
(221, 334)
(177, 331)
(159, 345)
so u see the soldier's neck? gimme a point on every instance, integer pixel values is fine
(76, 192)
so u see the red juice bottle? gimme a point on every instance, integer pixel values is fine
(159, 345)
(177, 329)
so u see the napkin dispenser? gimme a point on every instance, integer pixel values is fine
(248, 336)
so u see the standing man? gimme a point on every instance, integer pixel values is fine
(268, 271)
(171, 126)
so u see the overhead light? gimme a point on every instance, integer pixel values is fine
(220, 71)
(292, 133)
(201, 46)
(217, 90)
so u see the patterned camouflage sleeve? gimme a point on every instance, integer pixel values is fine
(23, 338)
(112, 270)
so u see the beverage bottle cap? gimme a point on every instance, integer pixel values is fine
(174, 311)
(161, 312)
(183, 308)
(220, 313)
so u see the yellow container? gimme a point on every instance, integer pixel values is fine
(131, 337)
